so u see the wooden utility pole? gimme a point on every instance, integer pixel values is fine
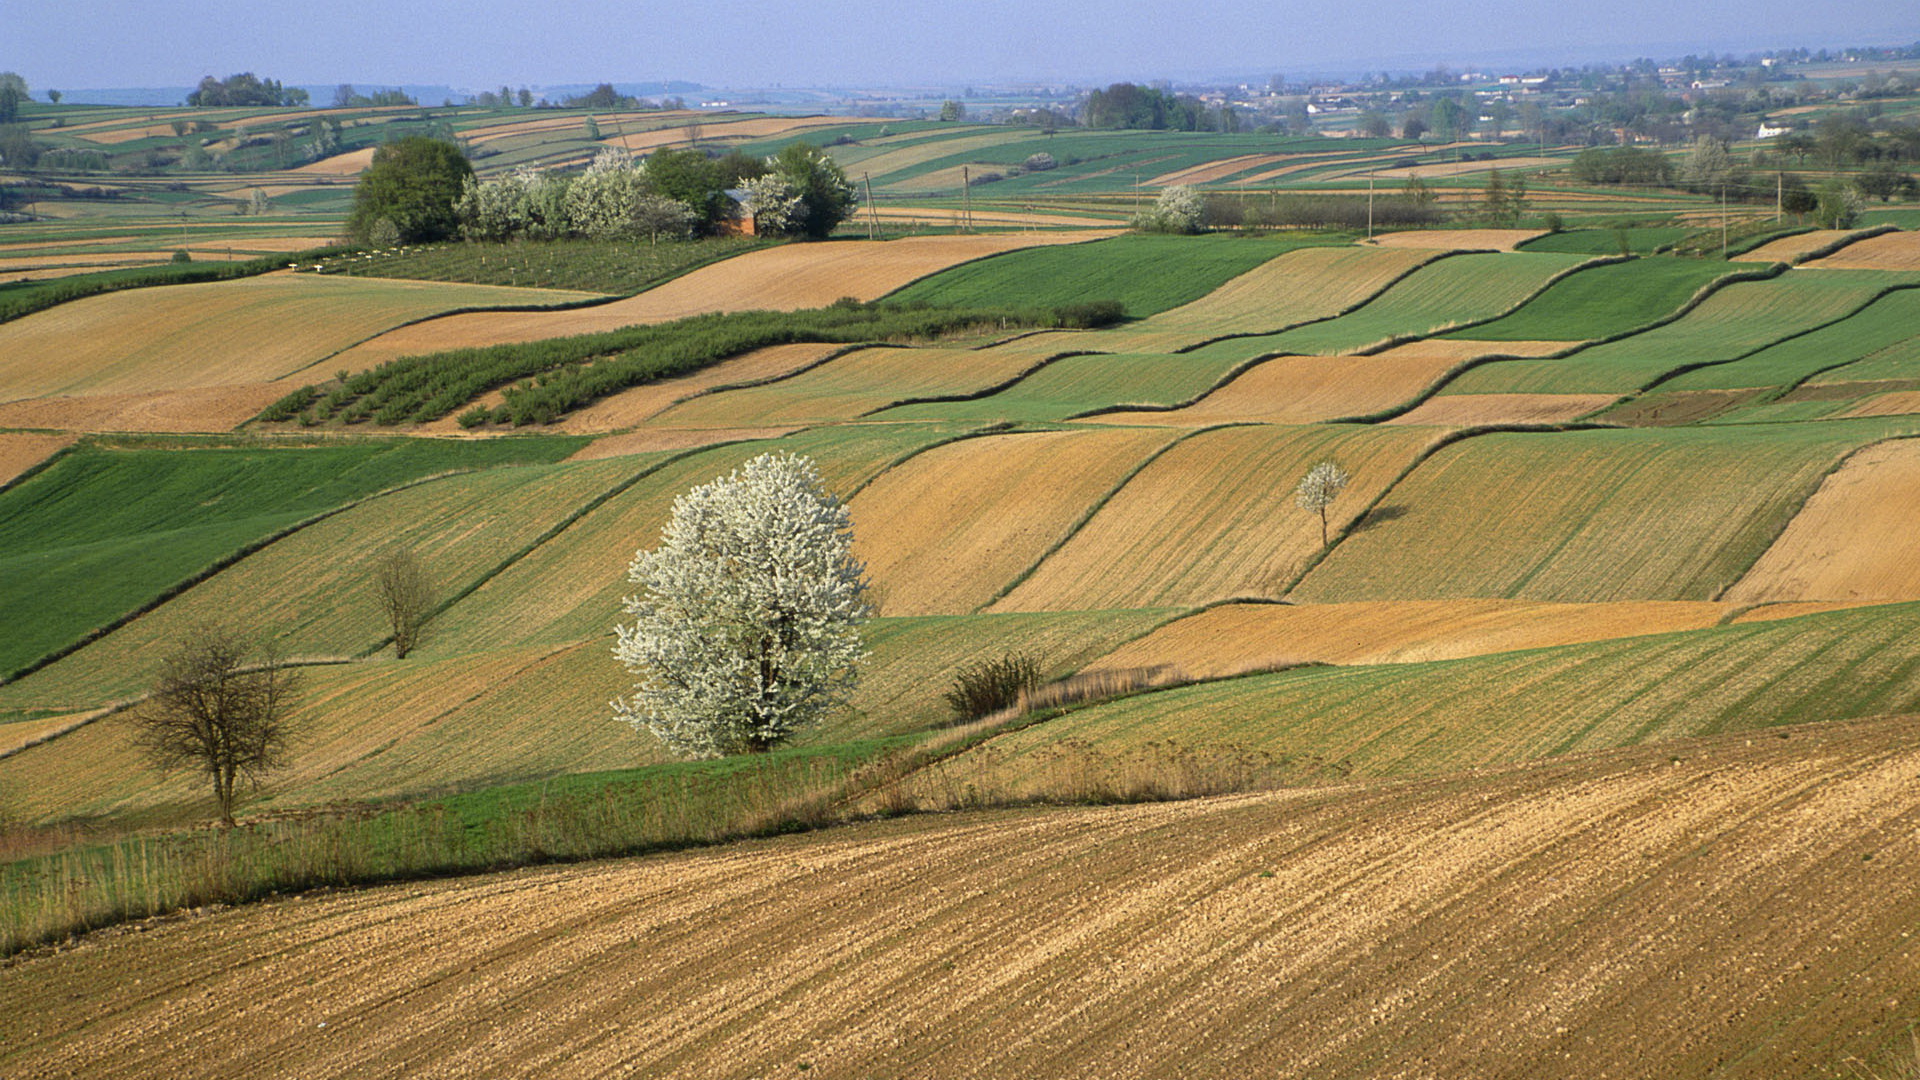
(966, 199)
(873, 215)
(1369, 204)
(1723, 219)
(1779, 195)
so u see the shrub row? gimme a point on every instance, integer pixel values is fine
(543, 380)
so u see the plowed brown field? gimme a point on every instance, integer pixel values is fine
(1854, 540)
(1888, 251)
(1788, 248)
(1469, 410)
(22, 450)
(351, 163)
(1897, 403)
(782, 278)
(944, 533)
(1459, 239)
(1234, 638)
(630, 407)
(212, 408)
(1216, 170)
(218, 334)
(1734, 907)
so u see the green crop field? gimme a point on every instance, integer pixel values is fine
(614, 268)
(1639, 240)
(1880, 339)
(1461, 714)
(1075, 385)
(109, 528)
(1148, 274)
(1674, 514)
(1604, 300)
(1738, 319)
(1446, 293)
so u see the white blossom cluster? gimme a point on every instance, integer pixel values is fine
(775, 203)
(748, 627)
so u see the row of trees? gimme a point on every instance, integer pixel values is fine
(245, 88)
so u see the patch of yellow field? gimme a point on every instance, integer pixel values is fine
(1462, 168)
(1888, 251)
(756, 128)
(892, 161)
(642, 403)
(1235, 638)
(1472, 410)
(1217, 170)
(1896, 403)
(944, 215)
(575, 119)
(18, 733)
(222, 333)
(1459, 239)
(207, 408)
(946, 531)
(1302, 390)
(1788, 248)
(351, 163)
(783, 278)
(1854, 540)
(22, 450)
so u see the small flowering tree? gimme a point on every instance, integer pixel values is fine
(749, 624)
(1317, 490)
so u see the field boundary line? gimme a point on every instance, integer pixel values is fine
(984, 392)
(1345, 311)
(1800, 506)
(1098, 505)
(202, 575)
(1844, 242)
(42, 465)
(749, 384)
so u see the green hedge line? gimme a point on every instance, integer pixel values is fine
(26, 297)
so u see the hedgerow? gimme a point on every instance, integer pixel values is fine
(541, 381)
(27, 297)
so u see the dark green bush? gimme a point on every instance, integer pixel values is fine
(988, 686)
(1090, 314)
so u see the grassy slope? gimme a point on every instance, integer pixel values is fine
(1889, 324)
(1735, 320)
(1460, 714)
(1603, 300)
(1078, 384)
(105, 530)
(1148, 274)
(1675, 514)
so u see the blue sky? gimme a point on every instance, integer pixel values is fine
(737, 43)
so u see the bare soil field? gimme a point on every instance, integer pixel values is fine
(222, 333)
(22, 450)
(210, 408)
(1888, 251)
(782, 278)
(1732, 907)
(1234, 638)
(1459, 239)
(1469, 410)
(1853, 541)
(351, 163)
(1897, 403)
(18, 733)
(1216, 170)
(945, 532)
(1788, 248)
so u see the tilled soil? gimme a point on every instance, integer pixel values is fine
(1743, 906)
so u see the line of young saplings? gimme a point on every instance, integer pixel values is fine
(25, 298)
(541, 381)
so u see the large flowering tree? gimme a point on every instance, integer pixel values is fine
(749, 623)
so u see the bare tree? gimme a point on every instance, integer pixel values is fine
(214, 709)
(406, 598)
(1317, 490)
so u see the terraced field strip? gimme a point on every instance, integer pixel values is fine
(22, 450)
(1887, 330)
(782, 278)
(1853, 541)
(225, 333)
(1448, 169)
(1635, 900)
(1299, 287)
(1477, 410)
(865, 381)
(313, 591)
(1608, 515)
(1434, 298)
(1235, 638)
(1894, 404)
(570, 587)
(1788, 248)
(1213, 518)
(1738, 319)
(1074, 385)
(654, 440)
(1215, 171)
(1038, 218)
(736, 130)
(1603, 300)
(351, 163)
(641, 403)
(203, 409)
(882, 167)
(1888, 251)
(1459, 239)
(1448, 716)
(492, 132)
(1146, 273)
(946, 532)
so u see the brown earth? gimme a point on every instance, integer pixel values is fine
(1233, 638)
(1898, 403)
(1742, 906)
(351, 163)
(1462, 168)
(785, 278)
(1677, 407)
(1853, 541)
(1788, 248)
(1469, 410)
(1217, 170)
(22, 450)
(1460, 239)
(208, 408)
(652, 439)
(1888, 251)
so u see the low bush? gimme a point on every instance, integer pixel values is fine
(990, 686)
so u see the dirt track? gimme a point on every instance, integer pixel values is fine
(1742, 907)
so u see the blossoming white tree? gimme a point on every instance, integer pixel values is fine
(1317, 490)
(749, 624)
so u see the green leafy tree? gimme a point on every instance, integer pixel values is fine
(1839, 205)
(1795, 196)
(415, 183)
(692, 178)
(951, 111)
(827, 198)
(245, 88)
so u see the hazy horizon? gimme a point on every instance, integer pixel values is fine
(733, 44)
